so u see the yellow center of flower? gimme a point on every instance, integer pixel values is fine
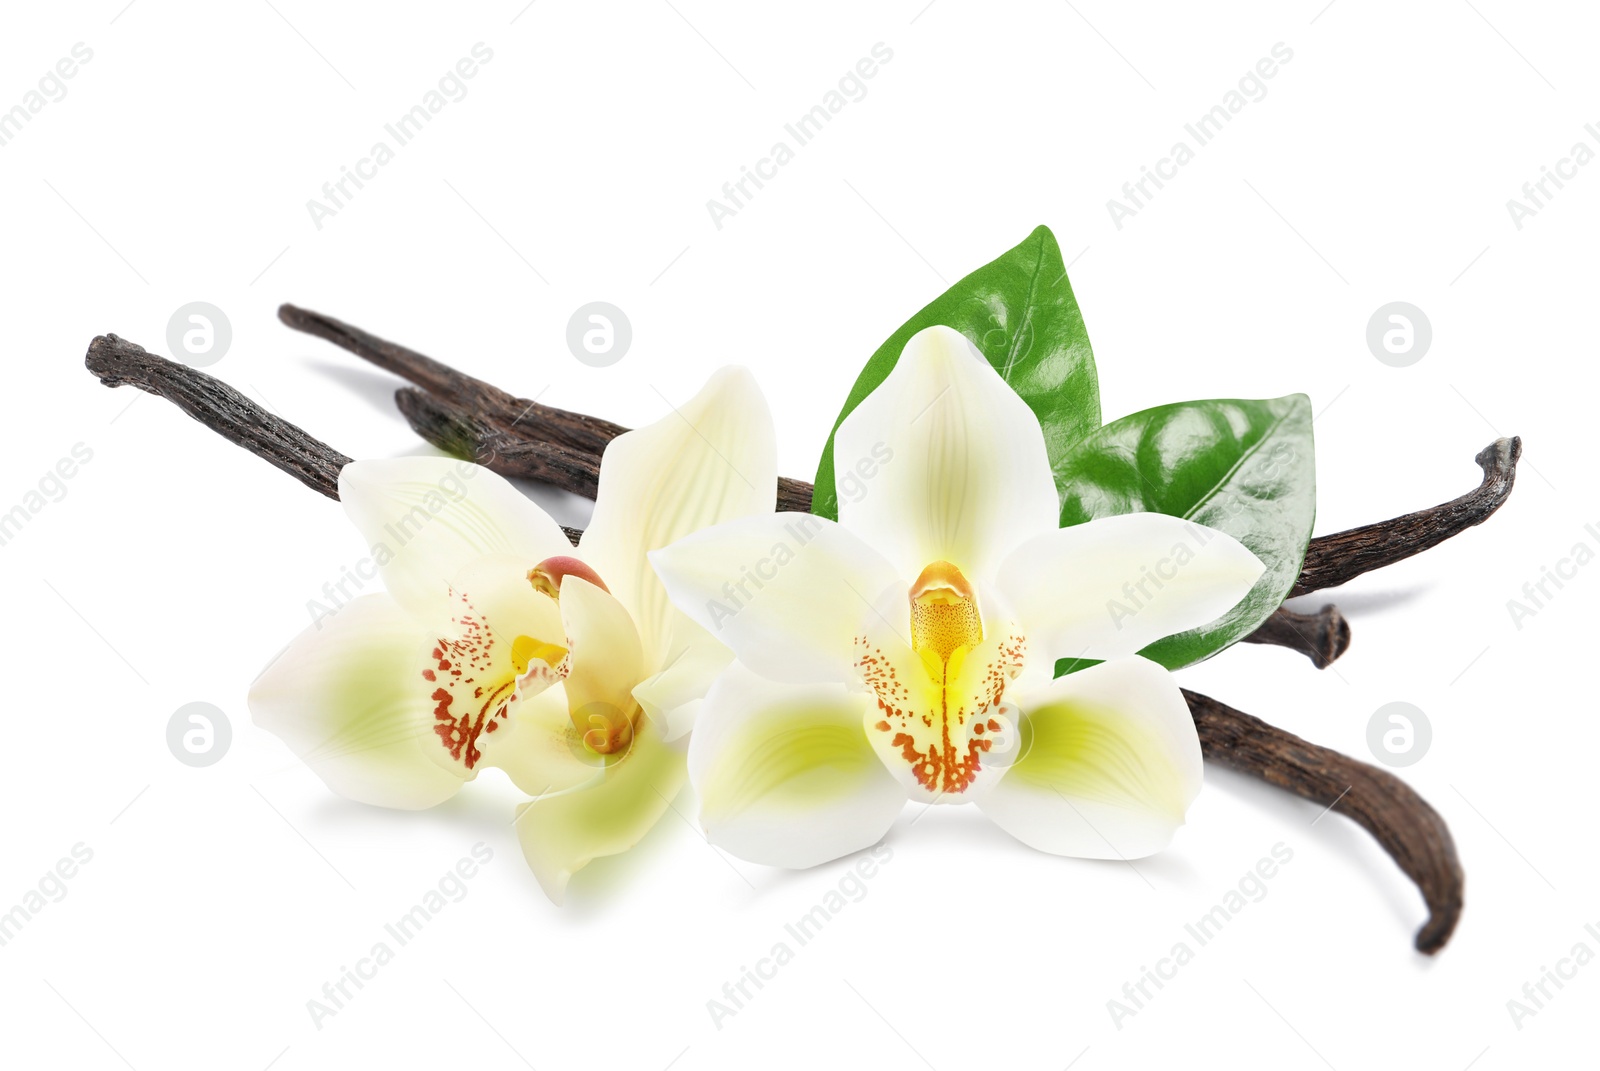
(939, 710)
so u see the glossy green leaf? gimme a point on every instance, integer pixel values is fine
(1020, 312)
(1243, 467)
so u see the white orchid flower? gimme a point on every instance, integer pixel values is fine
(497, 644)
(908, 650)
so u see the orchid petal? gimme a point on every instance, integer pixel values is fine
(1111, 587)
(672, 697)
(785, 773)
(711, 460)
(787, 592)
(1110, 764)
(426, 518)
(944, 461)
(563, 833)
(345, 696)
(496, 643)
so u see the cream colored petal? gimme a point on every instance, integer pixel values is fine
(1112, 587)
(672, 697)
(561, 834)
(785, 774)
(427, 518)
(710, 460)
(1110, 764)
(955, 462)
(787, 592)
(347, 698)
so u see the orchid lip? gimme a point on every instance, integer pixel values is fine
(476, 684)
(941, 700)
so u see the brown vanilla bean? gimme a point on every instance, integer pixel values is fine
(459, 431)
(116, 361)
(484, 422)
(1411, 831)
(794, 496)
(1322, 637)
(491, 404)
(1337, 559)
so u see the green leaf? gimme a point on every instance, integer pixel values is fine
(1243, 467)
(1020, 312)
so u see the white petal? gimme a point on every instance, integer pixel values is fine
(711, 460)
(787, 592)
(672, 696)
(426, 518)
(944, 461)
(346, 697)
(785, 774)
(563, 833)
(1110, 764)
(1113, 586)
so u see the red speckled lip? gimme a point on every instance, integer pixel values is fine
(477, 680)
(938, 713)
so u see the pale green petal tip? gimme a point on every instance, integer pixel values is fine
(552, 876)
(563, 833)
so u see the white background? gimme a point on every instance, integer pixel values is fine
(1377, 168)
